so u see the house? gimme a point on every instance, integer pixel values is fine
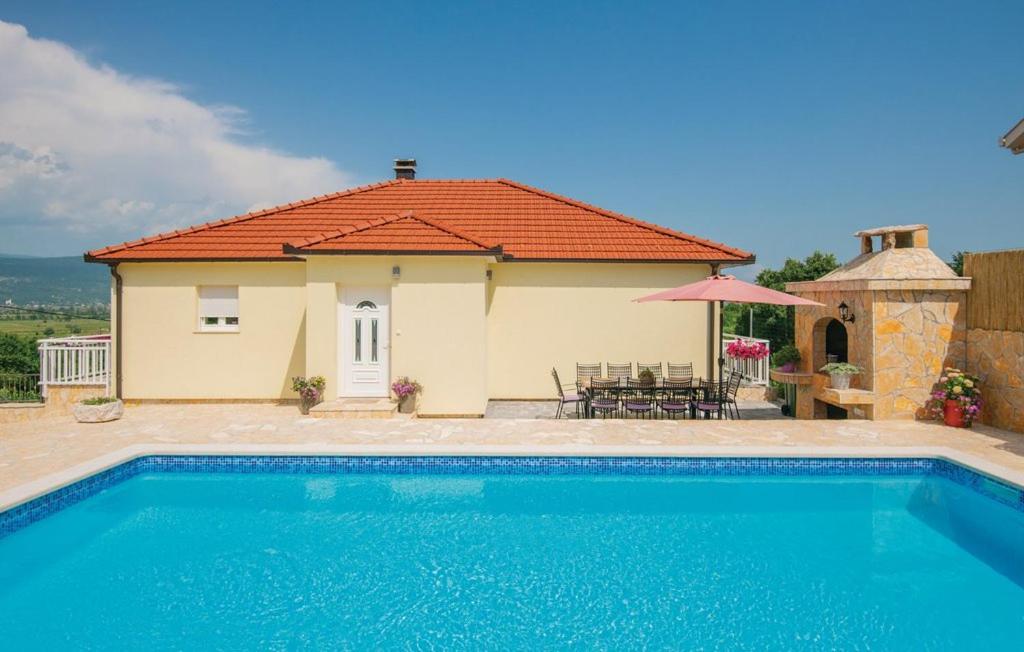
(475, 288)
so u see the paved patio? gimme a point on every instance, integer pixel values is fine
(41, 455)
(547, 409)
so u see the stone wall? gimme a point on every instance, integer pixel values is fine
(58, 403)
(997, 357)
(917, 334)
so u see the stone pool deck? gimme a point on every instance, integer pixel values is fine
(41, 455)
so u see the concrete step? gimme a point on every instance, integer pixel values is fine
(355, 408)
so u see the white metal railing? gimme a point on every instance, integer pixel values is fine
(83, 360)
(754, 371)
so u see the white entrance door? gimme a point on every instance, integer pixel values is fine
(364, 341)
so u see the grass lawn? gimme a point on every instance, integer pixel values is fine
(36, 328)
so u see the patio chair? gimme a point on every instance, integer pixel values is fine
(639, 400)
(617, 371)
(710, 399)
(584, 372)
(565, 399)
(654, 367)
(732, 389)
(675, 397)
(680, 371)
(604, 397)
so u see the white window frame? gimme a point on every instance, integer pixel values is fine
(221, 297)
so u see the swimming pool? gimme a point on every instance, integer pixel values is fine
(441, 552)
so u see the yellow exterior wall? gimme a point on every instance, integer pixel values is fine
(437, 317)
(557, 314)
(166, 357)
(464, 338)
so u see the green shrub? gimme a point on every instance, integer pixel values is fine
(99, 400)
(788, 353)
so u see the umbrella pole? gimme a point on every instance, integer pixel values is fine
(711, 340)
(721, 340)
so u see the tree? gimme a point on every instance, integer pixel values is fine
(957, 263)
(775, 323)
(18, 355)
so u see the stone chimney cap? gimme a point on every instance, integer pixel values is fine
(898, 228)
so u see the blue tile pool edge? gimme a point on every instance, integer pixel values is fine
(38, 508)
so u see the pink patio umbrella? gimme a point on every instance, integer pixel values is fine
(722, 288)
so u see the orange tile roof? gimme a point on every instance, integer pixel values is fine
(403, 233)
(496, 216)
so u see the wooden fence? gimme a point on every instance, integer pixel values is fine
(996, 300)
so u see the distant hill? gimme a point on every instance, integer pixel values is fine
(63, 281)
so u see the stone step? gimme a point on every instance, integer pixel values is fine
(355, 408)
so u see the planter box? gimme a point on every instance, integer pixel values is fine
(98, 413)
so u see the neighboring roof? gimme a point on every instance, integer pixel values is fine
(1014, 138)
(505, 218)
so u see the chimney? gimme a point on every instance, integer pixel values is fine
(405, 168)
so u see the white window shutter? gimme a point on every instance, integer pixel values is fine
(218, 301)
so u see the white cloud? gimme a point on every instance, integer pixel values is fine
(85, 149)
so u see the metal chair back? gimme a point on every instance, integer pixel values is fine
(585, 372)
(619, 371)
(654, 368)
(680, 370)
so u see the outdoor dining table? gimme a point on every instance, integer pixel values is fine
(694, 390)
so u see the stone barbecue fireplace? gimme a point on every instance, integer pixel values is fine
(897, 311)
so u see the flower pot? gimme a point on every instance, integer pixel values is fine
(97, 413)
(407, 405)
(788, 368)
(839, 381)
(953, 414)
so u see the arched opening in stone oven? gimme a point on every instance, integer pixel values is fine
(835, 342)
(830, 341)
(831, 344)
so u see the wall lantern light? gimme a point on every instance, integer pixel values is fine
(844, 313)
(396, 272)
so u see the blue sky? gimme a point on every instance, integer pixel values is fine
(777, 127)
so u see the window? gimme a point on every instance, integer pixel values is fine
(218, 308)
(366, 305)
(359, 341)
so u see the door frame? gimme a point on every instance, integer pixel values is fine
(347, 298)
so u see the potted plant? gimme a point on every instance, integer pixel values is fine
(646, 376)
(310, 390)
(839, 373)
(785, 359)
(957, 398)
(98, 409)
(405, 391)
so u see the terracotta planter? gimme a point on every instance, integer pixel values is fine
(953, 414)
(97, 413)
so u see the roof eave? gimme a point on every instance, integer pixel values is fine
(1014, 138)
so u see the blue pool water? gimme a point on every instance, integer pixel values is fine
(485, 560)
